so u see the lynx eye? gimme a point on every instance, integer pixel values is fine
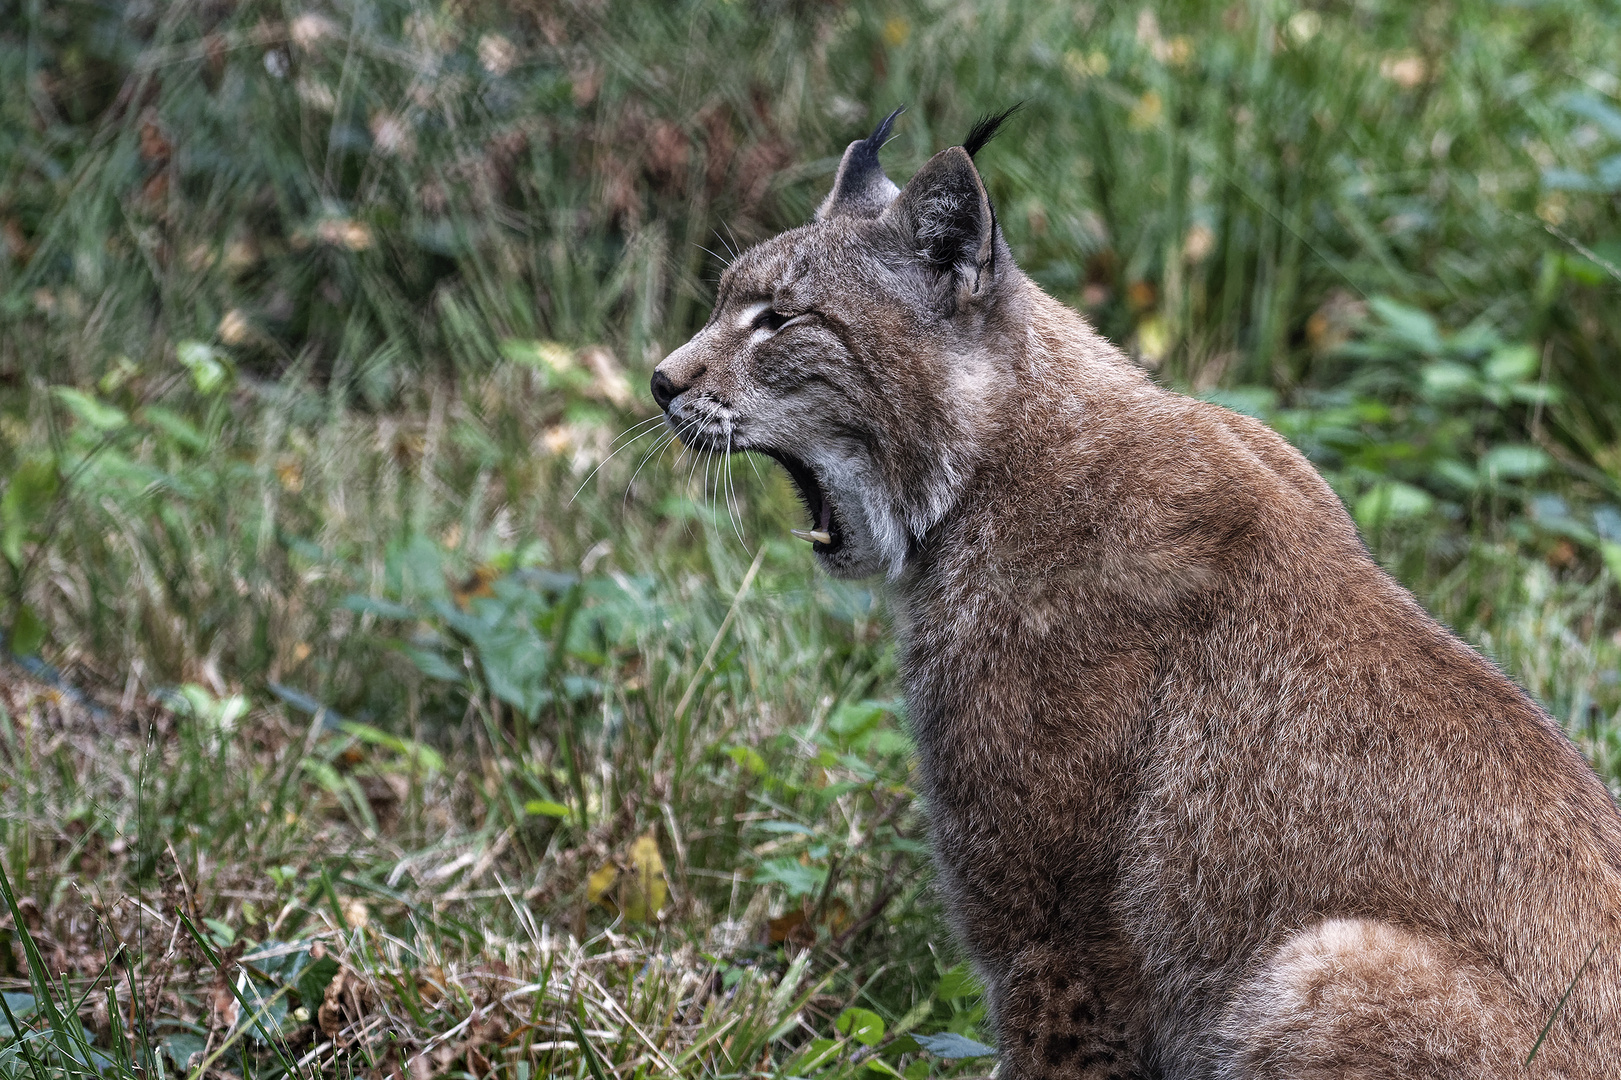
(771, 320)
(763, 320)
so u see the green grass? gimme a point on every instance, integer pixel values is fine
(357, 718)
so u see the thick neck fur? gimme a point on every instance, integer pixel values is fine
(1064, 390)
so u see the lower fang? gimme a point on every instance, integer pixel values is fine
(815, 536)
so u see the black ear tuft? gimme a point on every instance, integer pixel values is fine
(861, 188)
(985, 129)
(865, 156)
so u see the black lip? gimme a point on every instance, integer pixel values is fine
(813, 496)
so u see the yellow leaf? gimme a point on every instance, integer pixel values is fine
(1153, 341)
(1147, 111)
(551, 357)
(598, 885)
(643, 892)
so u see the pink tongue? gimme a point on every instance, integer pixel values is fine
(826, 524)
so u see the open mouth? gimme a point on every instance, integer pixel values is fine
(824, 533)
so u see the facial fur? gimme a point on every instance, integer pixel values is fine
(861, 352)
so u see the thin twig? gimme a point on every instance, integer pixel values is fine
(714, 646)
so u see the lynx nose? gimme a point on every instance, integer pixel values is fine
(664, 389)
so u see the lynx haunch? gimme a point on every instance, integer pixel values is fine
(1210, 794)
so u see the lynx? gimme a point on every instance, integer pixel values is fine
(1210, 794)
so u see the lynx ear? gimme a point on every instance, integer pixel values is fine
(946, 215)
(861, 188)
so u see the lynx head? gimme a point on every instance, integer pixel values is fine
(860, 351)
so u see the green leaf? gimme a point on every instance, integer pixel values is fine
(785, 827)
(425, 757)
(889, 743)
(1392, 500)
(748, 759)
(1527, 393)
(120, 372)
(97, 414)
(312, 981)
(21, 1005)
(1514, 462)
(958, 982)
(1414, 328)
(1612, 557)
(219, 713)
(414, 570)
(1446, 379)
(266, 1007)
(323, 774)
(1476, 339)
(816, 1053)
(1371, 411)
(27, 632)
(1513, 363)
(796, 877)
(26, 503)
(862, 769)
(208, 372)
(1456, 473)
(593, 1062)
(863, 1025)
(179, 430)
(545, 808)
(182, 1046)
(856, 719)
(376, 605)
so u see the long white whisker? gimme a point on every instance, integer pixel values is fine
(668, 438)
(657, 418)
(687, 486)
(693, 471)
(662, 445)
(720, 470)
(697, 458)
(614, 454)
(734, 512)
(730, 250)
(683, 451)
(709, 488)
(681, 434)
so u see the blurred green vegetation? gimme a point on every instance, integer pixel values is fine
(389, 695)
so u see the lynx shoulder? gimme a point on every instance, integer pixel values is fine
(1210, 793)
